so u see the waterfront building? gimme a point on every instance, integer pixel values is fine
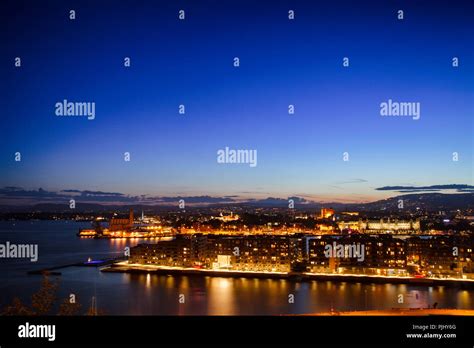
(246, 253)
(442, 255)
(377, 254)
(121, 224)
(381, 254)
(183, 251)
(250, 252)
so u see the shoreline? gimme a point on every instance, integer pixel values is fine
(414, 312)
(303, 276)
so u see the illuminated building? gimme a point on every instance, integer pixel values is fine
(350, 213)
(183, 251)
(325, 228)
(348, 225)
(244, 253)
(382, 255)
(227, 218)
(442, 255)
(252, 253)
(326, 213)
(124, 228)
(390, 226)
(381, 226)
(121, 224)
(301, 217)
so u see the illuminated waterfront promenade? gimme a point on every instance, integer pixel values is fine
(125, 267)
(399, 312)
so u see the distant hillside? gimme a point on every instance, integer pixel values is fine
(424, 201)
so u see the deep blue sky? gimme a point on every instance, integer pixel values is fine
(282, 62)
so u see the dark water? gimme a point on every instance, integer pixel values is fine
(126, 294)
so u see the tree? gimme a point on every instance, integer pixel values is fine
(69, 308)
(43, 300)
(17, 308)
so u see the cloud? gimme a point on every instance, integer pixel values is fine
(18, 192)
(40, 195)
(278, 201)
(351, 181)
(19, 196)
(468, 189)
(416, 191)
(95, 193)
(101, 196)
(298, 199)
(193, 199)
(432, 188)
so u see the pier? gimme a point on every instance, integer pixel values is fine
(88, 263)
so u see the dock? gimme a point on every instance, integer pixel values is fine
(89, 263)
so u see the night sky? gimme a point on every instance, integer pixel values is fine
(282, 62)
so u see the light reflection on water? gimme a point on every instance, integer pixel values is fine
(158, 294)
(147, 294)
